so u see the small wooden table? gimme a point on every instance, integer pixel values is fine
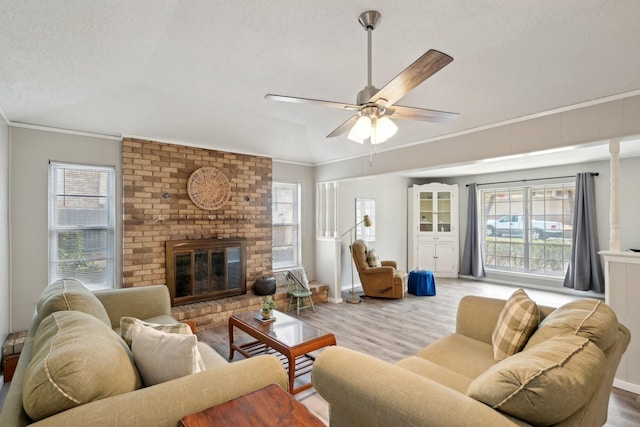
(267, 407)
(287, 337)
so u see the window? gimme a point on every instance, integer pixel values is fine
(528, 229)
(366, 207)
(82, 224)
(285, 213)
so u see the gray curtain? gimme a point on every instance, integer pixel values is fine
(472, 263)
(585, 271)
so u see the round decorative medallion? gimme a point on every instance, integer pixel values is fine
(208, 188)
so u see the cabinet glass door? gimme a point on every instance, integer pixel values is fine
(426, 211)
(444, 212)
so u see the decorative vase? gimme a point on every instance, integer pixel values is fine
(264, 286)
(265, 314)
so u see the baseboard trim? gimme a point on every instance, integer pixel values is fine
(633, 388)
(334, 300)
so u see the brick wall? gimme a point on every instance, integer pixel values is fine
(152, 168)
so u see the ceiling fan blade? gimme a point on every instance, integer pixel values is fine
(423, 68)
(344, 127)
(412, 113)
(297, 100)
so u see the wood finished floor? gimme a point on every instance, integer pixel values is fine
(394, 329)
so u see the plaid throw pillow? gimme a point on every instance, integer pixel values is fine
(517, 322)
(126, 328)
(372, 258)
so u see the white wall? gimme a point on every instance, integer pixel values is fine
(5, 308)
(629, 202)
(303, 175)
(31, 151)
(390, 194)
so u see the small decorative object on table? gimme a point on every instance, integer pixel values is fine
(267, 306)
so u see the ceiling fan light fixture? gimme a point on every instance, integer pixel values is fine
(362, 128)
(353, 137)
(384, 129)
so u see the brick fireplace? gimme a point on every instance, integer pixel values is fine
(157, 207)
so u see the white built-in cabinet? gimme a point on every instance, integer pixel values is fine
(433, 229)
(621, 272)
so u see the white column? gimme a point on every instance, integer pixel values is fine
(614, 216)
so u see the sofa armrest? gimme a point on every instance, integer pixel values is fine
(165, 404)
(142, 302)
(365, 391)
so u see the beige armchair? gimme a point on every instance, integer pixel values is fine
(385, 281)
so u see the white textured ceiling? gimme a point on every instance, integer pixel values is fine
(197, 71)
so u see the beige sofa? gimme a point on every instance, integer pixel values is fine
(562, 377)
(157, 405)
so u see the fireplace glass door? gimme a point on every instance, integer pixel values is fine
(204, 270)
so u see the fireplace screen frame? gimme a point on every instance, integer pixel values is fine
(212, 249)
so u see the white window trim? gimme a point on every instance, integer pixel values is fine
(482, 227)
(110, 227)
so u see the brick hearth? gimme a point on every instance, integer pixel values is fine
(211, 314)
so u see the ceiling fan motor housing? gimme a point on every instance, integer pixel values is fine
(365, 94)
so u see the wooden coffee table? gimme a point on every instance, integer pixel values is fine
(287, 337)
(267, 407)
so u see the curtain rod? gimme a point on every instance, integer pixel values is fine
(534, 179)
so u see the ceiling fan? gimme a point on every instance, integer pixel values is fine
(375, 105)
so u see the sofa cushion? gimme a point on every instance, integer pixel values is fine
(162, 356)
(460, 354)
(76, 359)
(126, 328)
(70, 294)
(516, 323)
(210, 357)
(426, 368)
(543, 385)
(587, 318)
(372, 258)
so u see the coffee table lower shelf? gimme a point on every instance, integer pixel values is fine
(303, 363)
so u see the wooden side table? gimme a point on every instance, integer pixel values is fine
(267, 407)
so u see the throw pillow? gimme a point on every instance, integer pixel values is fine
(372, 258)
(587, 318)
(518, 320)
(543, 385)
(162, 356)
(126, 328)
(70, 294)
(76, 359)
